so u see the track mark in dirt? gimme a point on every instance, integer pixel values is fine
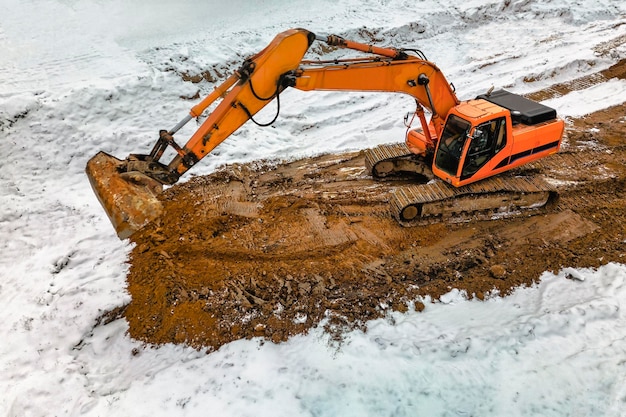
(615, 71)
(272, 249)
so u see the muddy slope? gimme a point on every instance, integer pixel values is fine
(270, 250)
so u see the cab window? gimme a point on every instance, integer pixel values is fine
(451, 144)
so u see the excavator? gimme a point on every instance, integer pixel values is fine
(453, 157)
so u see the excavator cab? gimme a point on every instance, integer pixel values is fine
(493, 134)
(464, 149)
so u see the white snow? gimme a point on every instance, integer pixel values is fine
(77, 77)
(597, 97)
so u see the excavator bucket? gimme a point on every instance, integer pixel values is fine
(129, 198)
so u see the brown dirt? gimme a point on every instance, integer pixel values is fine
(272, 249)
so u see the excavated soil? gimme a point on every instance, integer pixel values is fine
(273, 249)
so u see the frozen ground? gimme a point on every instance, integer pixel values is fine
(77, 77)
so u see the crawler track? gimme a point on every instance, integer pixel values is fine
(425, 202)
(501, 196)
(396, 160)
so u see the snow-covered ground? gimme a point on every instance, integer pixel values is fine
(77, 77)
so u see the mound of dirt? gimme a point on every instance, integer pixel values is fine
(272, 249)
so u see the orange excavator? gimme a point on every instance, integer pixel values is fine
(452, 156)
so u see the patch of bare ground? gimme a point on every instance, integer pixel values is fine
(273, 249)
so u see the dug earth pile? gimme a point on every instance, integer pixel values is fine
(273, 249)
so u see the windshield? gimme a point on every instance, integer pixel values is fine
(451, 144)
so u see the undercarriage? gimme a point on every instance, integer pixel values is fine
(431, 200)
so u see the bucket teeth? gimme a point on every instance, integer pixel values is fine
(129, 199)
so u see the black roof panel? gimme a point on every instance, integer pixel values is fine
(532, 112)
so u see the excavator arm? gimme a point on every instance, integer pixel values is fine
(128, 190)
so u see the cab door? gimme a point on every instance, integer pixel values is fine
(486, 140)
